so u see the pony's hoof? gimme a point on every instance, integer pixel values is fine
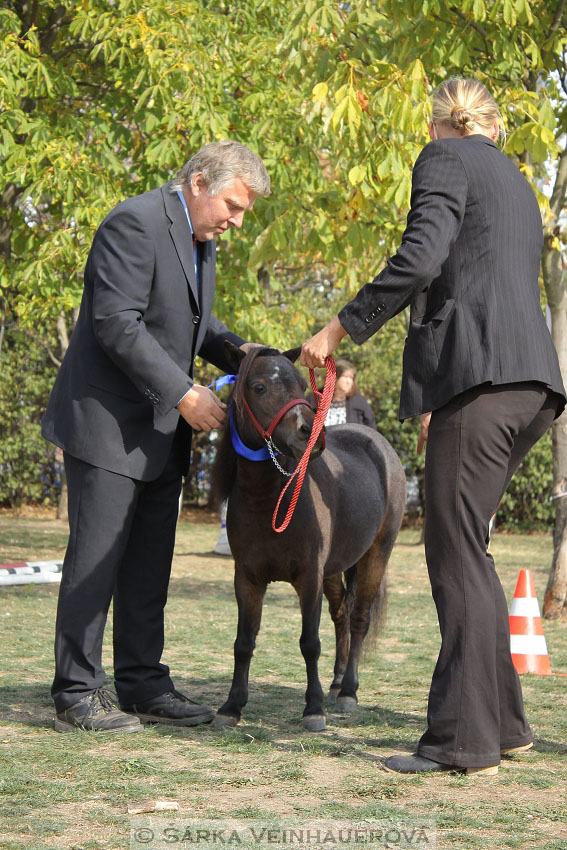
(345, 705)
(220, 721)
(315, 722)
(333, 694)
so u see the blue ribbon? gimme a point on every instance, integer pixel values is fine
(222, 382)
(240, 448)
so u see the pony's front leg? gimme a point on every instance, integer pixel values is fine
(249, 597)
(310, 598)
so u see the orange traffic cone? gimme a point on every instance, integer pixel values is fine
(527, 641)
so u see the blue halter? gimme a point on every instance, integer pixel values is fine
(237, 444)
(240, 448)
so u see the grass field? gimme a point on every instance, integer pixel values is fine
(73, 791)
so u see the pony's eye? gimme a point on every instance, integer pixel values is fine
(259, 388)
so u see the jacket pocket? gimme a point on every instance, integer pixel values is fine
(426, 340)
(116, 385)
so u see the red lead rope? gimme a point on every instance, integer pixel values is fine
(323, 401)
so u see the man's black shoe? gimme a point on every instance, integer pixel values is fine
(96, 713)
(172, 708)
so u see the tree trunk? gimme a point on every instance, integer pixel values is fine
(555, 281)
(555, 599)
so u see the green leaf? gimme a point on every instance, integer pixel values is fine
(357, 174)
(320, 92)
(339, 112)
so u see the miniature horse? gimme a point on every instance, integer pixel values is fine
(346, 520)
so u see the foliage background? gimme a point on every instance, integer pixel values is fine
(99, 101)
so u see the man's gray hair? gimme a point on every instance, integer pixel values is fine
(222, 162)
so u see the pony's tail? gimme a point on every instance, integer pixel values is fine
(376, 614)
(393, 476)
(349, 582)
(377, 618)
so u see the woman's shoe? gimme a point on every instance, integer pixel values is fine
(482, 771)
(509, 751)
(420, 764)
(413, 764)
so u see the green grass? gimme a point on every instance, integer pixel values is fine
(72, 791)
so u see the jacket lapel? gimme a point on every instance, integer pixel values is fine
(181, 236)
(208, 277)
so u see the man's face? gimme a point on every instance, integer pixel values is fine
(212, 216)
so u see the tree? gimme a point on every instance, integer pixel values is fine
(101, 102)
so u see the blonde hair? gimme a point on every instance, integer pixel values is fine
(463, 104)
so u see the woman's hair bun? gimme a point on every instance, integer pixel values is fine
(461, 117)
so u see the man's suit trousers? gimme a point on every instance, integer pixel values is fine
(475, 444)
(122, 534)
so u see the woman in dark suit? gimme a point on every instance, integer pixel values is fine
(481, 370)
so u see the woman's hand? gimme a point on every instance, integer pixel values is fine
(314, 351)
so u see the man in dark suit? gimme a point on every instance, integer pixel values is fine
(479, 355)
(122, 409)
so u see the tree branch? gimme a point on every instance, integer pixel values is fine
(473, 24)
(559, 193)
(48, 35)
(557, 19)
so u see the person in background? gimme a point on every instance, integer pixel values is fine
(348, 405)
(480, 368)
(123, 408)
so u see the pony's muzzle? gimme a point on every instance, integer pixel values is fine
(299, 440)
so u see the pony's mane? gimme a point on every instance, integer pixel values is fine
(245, 368)
(224, 466)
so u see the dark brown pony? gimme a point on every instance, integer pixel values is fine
(339, 539)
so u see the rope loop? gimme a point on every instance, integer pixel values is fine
(323, 401)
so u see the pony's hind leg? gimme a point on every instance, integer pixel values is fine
(337, 597)
(310, 594)
(368, 606)
(250, 597)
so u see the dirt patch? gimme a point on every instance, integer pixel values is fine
(30, 512)
(205, 515)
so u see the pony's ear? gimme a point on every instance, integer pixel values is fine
(234, 354)
(292, 354)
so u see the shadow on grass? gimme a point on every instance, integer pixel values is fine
(30, 705)
(274, 710)
(543, 745)
(272, 718)
(205, 556)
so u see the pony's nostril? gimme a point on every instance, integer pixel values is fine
(305, 430)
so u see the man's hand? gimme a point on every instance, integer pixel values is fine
(201, 409)
(424, 421)
(314, 351)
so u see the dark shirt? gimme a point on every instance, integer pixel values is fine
(358, 411)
